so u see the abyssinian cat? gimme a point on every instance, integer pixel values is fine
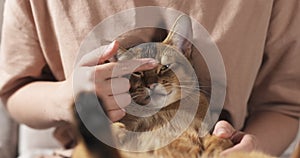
(165, 117)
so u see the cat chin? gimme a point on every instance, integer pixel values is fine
(161, 104)
(161, 101)
(157, 102)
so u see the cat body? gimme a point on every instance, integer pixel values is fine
(181, 106)
(165, 118)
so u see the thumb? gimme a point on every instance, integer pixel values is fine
(223, 129)
(100, 55)
(109, 52)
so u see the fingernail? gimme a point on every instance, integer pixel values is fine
(152, 62)
(110, 46)
(221, 131)
(107, 52)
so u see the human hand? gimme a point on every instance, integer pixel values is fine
(242, 141)
(94, 74)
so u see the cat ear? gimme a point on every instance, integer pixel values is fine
(179, 35)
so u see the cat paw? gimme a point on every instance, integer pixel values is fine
(213, 145)
(119, 125)
(118, 130)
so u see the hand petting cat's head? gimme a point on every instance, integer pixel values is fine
(173, 78)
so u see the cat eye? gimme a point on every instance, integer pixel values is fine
(165, 67)
(137, 74)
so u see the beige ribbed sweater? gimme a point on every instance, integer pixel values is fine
(259, 41)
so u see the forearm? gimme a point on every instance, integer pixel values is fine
(41, 104)
(274, 131)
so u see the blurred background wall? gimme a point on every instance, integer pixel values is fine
(21, 141)
(8, 129)
(1, 11)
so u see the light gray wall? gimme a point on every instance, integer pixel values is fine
(9, 129)
(1, 11)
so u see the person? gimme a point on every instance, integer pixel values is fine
(259, 42)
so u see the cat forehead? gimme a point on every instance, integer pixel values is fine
(154, 50)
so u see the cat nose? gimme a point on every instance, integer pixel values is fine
(152, 85)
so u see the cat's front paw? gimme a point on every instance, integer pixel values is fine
(118, 130)
(213, 145)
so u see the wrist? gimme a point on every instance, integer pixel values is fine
(65, 103)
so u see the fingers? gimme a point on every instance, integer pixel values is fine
(129, 66)
(223, 129)
(106, 78)
(116, 101)
(116, 115)
(112, 86)
(246, 144)
(110, 51)
(117, 69)
(114, 106)
(100, 55)
(243, 142)
(119, 85)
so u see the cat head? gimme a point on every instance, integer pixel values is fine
(164, 84)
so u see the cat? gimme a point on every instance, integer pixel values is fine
(167, 109)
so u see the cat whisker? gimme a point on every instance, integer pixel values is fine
(135, 96)
(188, 87)
(192, 89)
(191, 83)
(190, 98)
(200, 90)
(139, 90)
(184, 82)
(192, 86)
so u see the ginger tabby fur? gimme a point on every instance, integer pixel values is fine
(172, 55)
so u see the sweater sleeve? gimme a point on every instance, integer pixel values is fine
(21, 58)
(277, 87)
